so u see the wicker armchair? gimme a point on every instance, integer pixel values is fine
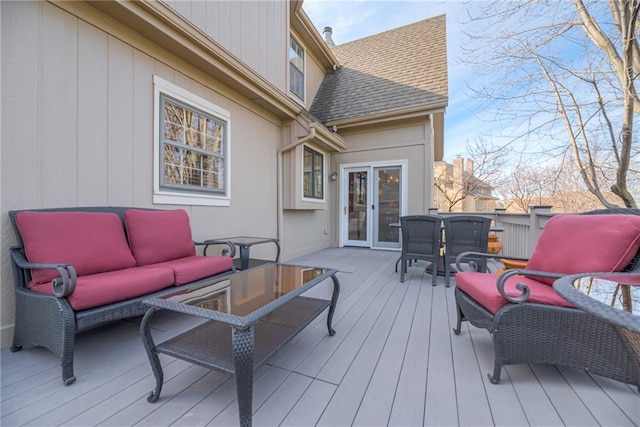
(530, 323)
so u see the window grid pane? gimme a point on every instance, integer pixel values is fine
(313, 174)
(193, 153)
(296, 68)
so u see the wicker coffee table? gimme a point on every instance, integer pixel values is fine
(250, 314)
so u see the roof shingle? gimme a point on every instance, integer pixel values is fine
(395, 70)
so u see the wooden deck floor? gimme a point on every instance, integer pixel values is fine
(394, 361)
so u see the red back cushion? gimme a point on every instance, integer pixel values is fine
(158, 236)
(93, 242)
(571, 244)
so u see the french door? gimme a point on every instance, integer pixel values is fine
(372, 199)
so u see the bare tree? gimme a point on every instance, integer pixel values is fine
(556, 185)
(562, 76)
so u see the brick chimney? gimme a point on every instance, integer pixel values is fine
(457, 169)
(327, 36)
(469, 167)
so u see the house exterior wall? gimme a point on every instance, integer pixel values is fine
(254, 31)
(77, 109)
(410, 141)
(314, 77)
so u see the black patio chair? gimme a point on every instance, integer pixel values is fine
(465, 233)
(420, 241)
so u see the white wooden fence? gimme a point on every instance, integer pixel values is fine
(519, 233)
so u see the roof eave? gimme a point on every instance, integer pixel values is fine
(387, 116)
(305, 29)
(162, 25)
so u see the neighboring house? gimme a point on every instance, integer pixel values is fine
(457, 189)
(238, 112)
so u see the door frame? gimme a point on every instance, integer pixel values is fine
(343, 196)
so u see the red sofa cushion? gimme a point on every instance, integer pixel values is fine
(193, 268)
(96, 290)
(482, 288)
(571, 244)
(93, 242)
(158, 236)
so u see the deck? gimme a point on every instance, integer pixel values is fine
(393, 361)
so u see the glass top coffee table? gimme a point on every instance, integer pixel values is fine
(250, 314)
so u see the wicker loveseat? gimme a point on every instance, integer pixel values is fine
(76, 268)
(530, 323)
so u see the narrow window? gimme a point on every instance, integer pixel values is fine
(296, 68)
(313, 180)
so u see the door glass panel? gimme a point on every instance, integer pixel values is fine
(358, 205)
(388, 204)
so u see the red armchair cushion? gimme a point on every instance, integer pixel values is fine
(193, 268)
(93, 242)
(96, 290)
(482, 288)
(158, 236)
(571, 244)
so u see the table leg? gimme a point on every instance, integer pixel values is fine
(244, 256)
(243, 345)
(332, 307)
(149, 346)
(277, 253)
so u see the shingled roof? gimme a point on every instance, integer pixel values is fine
(396, 70)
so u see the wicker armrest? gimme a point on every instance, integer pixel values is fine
(524, 296)
(231, 251)
(472, 263)
(62, 286)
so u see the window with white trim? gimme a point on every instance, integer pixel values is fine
(313, 174)
(296, 68)
(192, 148)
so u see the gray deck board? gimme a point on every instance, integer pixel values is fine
(393, 361)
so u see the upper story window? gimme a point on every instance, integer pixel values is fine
(313, 174)
(296, 68)
(192, 148)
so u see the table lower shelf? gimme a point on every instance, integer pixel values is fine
(209, 344)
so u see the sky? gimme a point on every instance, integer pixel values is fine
(355, 19)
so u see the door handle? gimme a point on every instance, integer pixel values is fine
(373, 207)
(345, 210)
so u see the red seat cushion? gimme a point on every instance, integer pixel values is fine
(158, 236)
(93, 242)
(571, 244)
(482, 288)
(193, 268)
(96, 290)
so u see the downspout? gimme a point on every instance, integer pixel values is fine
(429, 202)
(281, 151)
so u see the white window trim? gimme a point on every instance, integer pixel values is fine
(324, 175)
(173, 197)
(292, 95)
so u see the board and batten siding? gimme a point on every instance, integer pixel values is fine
(254, 31)
(77, 129)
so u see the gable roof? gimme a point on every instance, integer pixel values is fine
(397, 70)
